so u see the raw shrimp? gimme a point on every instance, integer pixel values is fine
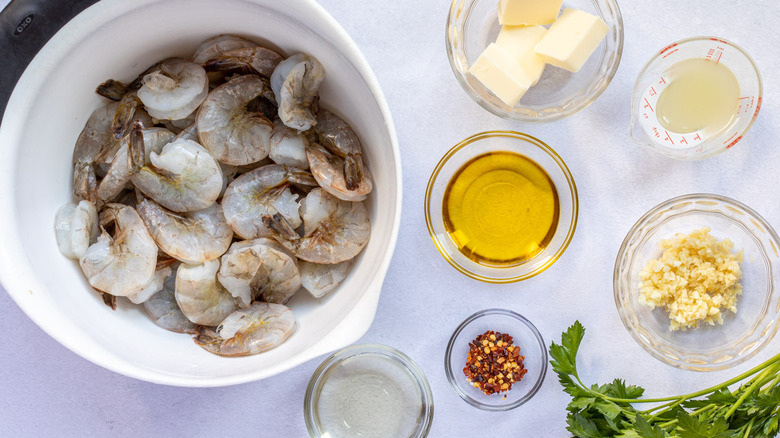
(133, 153)
(128, 160)
(258, 328)
(320, 280)
(288, 146)
(182, 177)
(260, 267)
(265, 190)
(93, 142)
(112, 89)
(174, 90)
(193, 237)
(232, 133)
(334, 230)
(295, 82)
(164, 311)
(200, 297)
(155, 285)
(76, 227)
(339, 138)
(215, 47)
(229, 52)
(328, 170)
(126, 262)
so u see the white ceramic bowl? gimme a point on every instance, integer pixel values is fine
(49, 107)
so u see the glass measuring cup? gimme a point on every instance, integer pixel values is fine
(647, 130)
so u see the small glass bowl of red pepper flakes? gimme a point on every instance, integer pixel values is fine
(517, 366)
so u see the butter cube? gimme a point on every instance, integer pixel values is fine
(521, 41)
(515, 12)
(572, 39)
(502, 74)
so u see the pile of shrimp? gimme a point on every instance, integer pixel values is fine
(211, 190)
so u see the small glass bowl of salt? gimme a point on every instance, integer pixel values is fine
(368, 391)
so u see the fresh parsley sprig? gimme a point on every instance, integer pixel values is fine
(751, 410)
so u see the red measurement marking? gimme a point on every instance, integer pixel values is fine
(662, 81)
(730, 138)
(670, 53)
(734, 142)
(697, 137)
(648, 105)
(645, 115)
(655, 131)
(719, 55)
(758, 107)
(684, 140)
(652, 91)
(668, 137)
(668, 47)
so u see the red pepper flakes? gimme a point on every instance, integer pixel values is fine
(494, 363)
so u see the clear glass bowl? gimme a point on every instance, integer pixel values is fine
(495, 141)
(473, 24)
(525, 335)
(368, 390)
(700, 144)
(705, 348)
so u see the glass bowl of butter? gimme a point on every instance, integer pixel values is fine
(501, 206)
(534, 60)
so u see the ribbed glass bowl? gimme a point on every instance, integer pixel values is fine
(473, 24)
(525, 335)
(706, 347)
(498, 141)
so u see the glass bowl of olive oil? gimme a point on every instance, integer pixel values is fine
(501, 206)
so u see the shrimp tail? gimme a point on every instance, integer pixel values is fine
(85, 182)
(353, 171)
(280, 226)
(136, 148)
(112, 89)
(301, 178)
(123, 118)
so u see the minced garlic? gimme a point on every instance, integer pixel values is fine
(695, 280)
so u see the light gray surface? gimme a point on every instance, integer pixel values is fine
(49, 391)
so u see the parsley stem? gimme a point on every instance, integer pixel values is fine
(770, 362)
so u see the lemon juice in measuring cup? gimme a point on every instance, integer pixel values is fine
(695, 98)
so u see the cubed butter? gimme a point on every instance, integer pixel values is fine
(572, 39)
(502, 74)
(515, 12)
(521, 41)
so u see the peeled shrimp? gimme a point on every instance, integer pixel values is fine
(164, 311)
(155, 285)
(233, 134)
(321, 280)
(126, 262)
(182, 177)
(76, 227)
(214, 47)
(334, 230)
(265, 190)
(288, 146)
(193, 237)
(128, 160)
(260, 327)
(339, 138)
(93, 142)
(174, 90)
(260, 267)
(328, 170)
(230, 52)
(295, 82)
(200, 297)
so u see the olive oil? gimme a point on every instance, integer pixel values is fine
(501, 208)
(702, 96)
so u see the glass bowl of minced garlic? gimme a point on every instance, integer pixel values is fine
(695, 280)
